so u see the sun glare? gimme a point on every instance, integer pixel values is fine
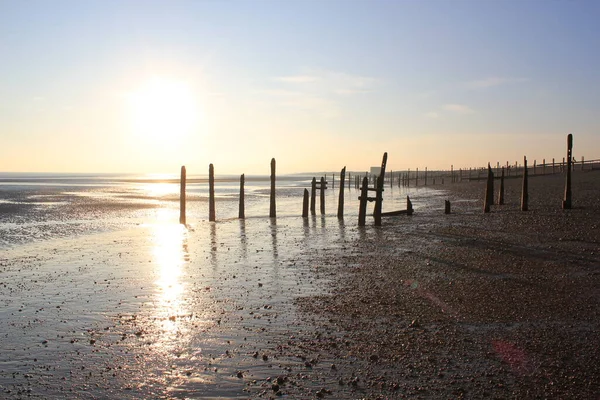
(163, 110)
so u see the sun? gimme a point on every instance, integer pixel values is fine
(163, 110)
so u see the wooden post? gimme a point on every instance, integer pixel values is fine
(425, 176)
(272, 208)
(391, 179)
(501, 193)
(489, 191)
(460, 175)
(242, 213)
(322, 196)
(313, 194)
(553, 166)
(348, 180)
(409, 207)
(379, 192)
(211, 192)
(582, 163)
(182, 196)
(408, 178)
(362, 208)
(534, 166)
(305, 204)
(544, 167)
(446, 206)
(452, 173)
(417, 177)
(566, 204)
(340, 212)
(524, 192)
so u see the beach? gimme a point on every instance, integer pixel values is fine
(467, 305)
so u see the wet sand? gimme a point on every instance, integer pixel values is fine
(503, 305)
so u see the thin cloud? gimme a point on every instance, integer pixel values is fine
(432, 115)
(458, 108)
(492, 82)
(297, 79)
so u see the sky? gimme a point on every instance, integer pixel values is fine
(148, 86)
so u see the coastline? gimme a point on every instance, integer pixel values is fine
(432, 305)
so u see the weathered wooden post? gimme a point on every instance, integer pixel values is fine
(544, 167)
(379, 191)
(425, 183)
(446, 206)
(313, 195)
(582, 163)
(489, 190)
(211, 193)
(272, 208)
(349, 180)
(322, 196)
(340, 212)
(524, 191)
(182, 196)
(332, 181)
(417, 177)
(362, 207)
(460, 175)
(553, 166)
(534, 166)
(408, 178)
(305, 204)
(409, 207)
(452, 173)
(566, 204)
(242, 212)
(501, 193)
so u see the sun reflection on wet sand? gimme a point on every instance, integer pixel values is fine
(170, 254)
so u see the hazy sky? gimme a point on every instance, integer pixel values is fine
(146, 86)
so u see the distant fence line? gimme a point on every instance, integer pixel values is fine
(408, 179)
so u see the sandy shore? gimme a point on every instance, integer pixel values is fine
(502, 305)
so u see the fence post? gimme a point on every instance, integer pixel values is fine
(182, 196)
(340, 213)
(524, 192)
(322, 196)
(501, 193)
(446, 206)
(313, 194)
(272, 208)
(362, 208)
(211, 192)
(566, 204)
(489, 191)
(305, 204)
(242, 213)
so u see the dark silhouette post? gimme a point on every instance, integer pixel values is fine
(211, 192)
(544, 166)
(425, 176)
(305, 204)
(501, 193)
(408, 178)
(566, 204)
(417, 177)
(242, 213)
(446, 206)
(340, 213)
(524, 191)
(322, 195)
(553, 166)
(313, 194)
(409, 207)
(362, 207)
(489, 190)
(582, 163)
(182, 196)
(534, 166)
(349, 180)
(272, 211)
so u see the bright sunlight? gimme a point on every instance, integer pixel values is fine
(163, 109)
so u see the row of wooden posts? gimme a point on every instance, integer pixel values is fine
(489, 192)
(378, 188)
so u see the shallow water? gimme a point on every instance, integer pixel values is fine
(104, 295)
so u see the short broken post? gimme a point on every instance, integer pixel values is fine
(489, 190)
(362, 208)
(242, 213)
(340, 212)
(501, 192)
(524, 191)
(446, 206)
(182, 196)
(272, 208)
(211, 192)
(305, 204)
(409, 207)
(566, 204)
